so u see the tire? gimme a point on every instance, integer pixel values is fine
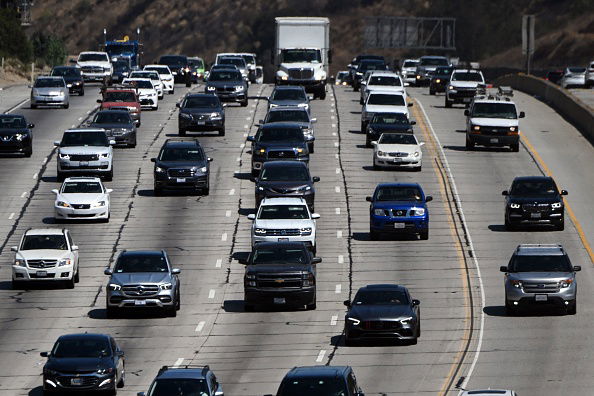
(363, 127)
(249, 307)
(109, 176)
(419, 168)
(414, 341)
(255, 172)
(469, 145)
(349, 341)
(431, 92)
(571, 309)
(171, 311)
(81, 92)
(515, 147)
(181, 132)
(28, 153)
(368, 142)
(356, 88)
(448, 104)
(373, 235)
(510, 309)
(222, 132)
(70, 283)
(561, 225)
(244, 103)
(77, 276)
(424, 235)
(310, 147)
(67, 105)
(376, 167)
(122, 380)
(323, 94)
(361, 101)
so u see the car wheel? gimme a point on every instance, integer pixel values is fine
(249, 307)
(181, 132)
(81, 93)
(373, 235)
(375, 166)
(510, 309)
(171, 311)
(363, 127)
(413, 341)
(244, 103)
(571, 309)
(448, 103)
(368, 142)
(348, 341)
(28, 152)
(67, 105)
(356, 88)
(311, 307)
(310, 147)
(424, 234)
(419, 168)
(360, 101)
(222, 132)
(515, 147)
(77, 276)
(469, 144)
(70, 283)
(561, 225)
(255, 172)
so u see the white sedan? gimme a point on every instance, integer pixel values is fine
(147, 94)
(400, 150)
(165, 74)
(82, 198)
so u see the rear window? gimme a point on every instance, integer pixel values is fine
(467, 76)
(311, 386)
(386, 100)
(383, 80)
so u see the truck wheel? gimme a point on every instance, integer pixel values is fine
(571, 308)
(424, 235)
(515, 147)
(510, 309)
(469, 144)
(448, 103)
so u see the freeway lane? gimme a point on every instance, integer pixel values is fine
(535, 354)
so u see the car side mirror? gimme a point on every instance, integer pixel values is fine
(225, 105)
(55, 191)
(316, 260)
(74, 248)
(109, 190)
(315, 179)
(410, 104)
(313, 120)
(347, 303)
(57, 143)
(564, 192)
(153, 160)
(99, 101)
(522, 114)
(141, 394)
(577, 268)
(261, 122)
(14, 248)
(178, 105)
(44, 354)
(416, 302)
(421, 143)
(466, 113)
(374, 142)
(413, 123)
(107, 271)
(175, 271)
(119, 353)
(250, 139)
(310, 97)
(315, 216)
(503, 268)
(209, 159)
(428, 198)
(505, 192)
(112, 142)
(368, 199)
(251, 216)
(30, 126)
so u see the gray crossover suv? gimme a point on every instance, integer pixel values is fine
(143, 279)
(540, 274)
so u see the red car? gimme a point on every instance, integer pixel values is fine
(121, 98)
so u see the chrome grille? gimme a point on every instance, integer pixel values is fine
(380, 325)
(398, 212)
(6, 138)
(81, 206)
(282, 154)
(536, 207)
(283, 232)
(85, 381)
(540, 287)
(92, 69)
(84, 157)
(279, 280)
(175, 172)
(398, 154)
(42, 263)
(301, 74)
(283, 190)
(139, 290)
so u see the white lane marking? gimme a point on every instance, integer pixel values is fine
(333, 133)
(336, 155)
(333, 320)
(470, 245)
(17, 106)
(211, 293)
(246, 126)
(337, 189)
(232, 191)
(337, 171)
(321, 355)
(200, 326)
(332, 117)
(338, 234)
(11, 216)
(73, 126)
(219, 263)
(245, 135)
(228, 213)
(224, 237)
(333, 125)
(335, 144)
(35, 176)
(80, 118)
(89, 112)
(248, 118)
(45, 161)
(331, 110)
(242, 145)
(178, 362)
(251, 111)
(253, 105)
(238, 159)
(337, 210)
(340, 259)
(23, 195)
(338, 289)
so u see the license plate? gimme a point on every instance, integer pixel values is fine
(283, 239)
(201, 122)
(535, 215)
(494, 140)
(84, 163)
(181, 179)
(139, 302)
(76, 381)
(541, 297)
(399, 225)
(397, 160)
(279, 300)
(41, 274)
(466, 100)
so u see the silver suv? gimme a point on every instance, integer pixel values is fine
(540, 274)
(85, 151)
(143, 279)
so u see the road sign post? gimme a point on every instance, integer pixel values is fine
(528, 39)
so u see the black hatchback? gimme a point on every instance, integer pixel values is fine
(83, 363)
(201, 112)
(15, 135)
(72, 77)
(181, 165)
(387, 123)
(320, 380)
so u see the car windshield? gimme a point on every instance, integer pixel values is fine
(112, 117)
(249, 59)
(174, 60)
(225, 75)
(181, 154)
(383, 80)
(397, 138)
(160, 70)
(143, 84)
(11, 122)
(272, 212)
(119, 48)
(535, 188)
(49, 83)
(558, 263)
(386, 100)
(195, 102)
(140, 263)
(391, 119)
(443, 71)
(119, 97)
(285, 173)
(75, 139)
(288, 115)
(576, 69)
(39, 242)
(179, 387)
(399, 194)
(143, 74)
(198, 63)
(84, 347)
(120, 66)
(467, 76)
(82, 188)
(494, 110)
(280, 134)
(66, 71)
(381, 297)
(239, 62)
(311, 386)
(410, 64)
(93, 57)
(433, 62)
(301, 55)
(289, 94)
(279, 255)
(371, 65)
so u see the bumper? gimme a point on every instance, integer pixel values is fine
(15, 146)
(95, 76)
(56, 273)
(520, 217)
(123, 140)
(49, 100)
(398, 332)
(119, 300)
(200, 125)
(494, 140)
(149, 103)
(396, 162)
(307, 84)
(231, 96)
(437, 87)
(396, 225)
(181, 183)
(91, 167)
(518, 297)
(168, 85)
(276, 296)
(460, 96)
(73, 88)
(82, 214)
(309, 241)
(84, 383)
(308, 197)
(257, 162)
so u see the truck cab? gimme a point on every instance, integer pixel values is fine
(123, 49)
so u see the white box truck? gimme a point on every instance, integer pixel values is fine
(302, 53)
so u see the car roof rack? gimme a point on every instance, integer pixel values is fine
(204, 368)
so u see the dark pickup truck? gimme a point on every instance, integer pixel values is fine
(280, 274)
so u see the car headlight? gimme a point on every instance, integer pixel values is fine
(512, 129)
(416, 154)
(114, 287)
(69, 85)
(284, 77)
(437, 80)
(359, 73)
(104, 155)
(166, 286)
(185, 115)
(565, 283)
(103, 371)
(19, 136)
(306, 231)
(250, 276)
(65, 156)
(406, 320)
(260, 231)
(380, 212)
(239, 87)
(556, 205)
(211, 88)
(51, 372)
(20, 263)
(215, 115)
(260, 188)
(304, 188)
(98, 204)
(62, 204)
(203, 169)
(417, 212)
(514, 206)
(261, 151)
(354, 321)
(381, 153)
(64, 262)
(159, 169)
(516, 283)
(303, 105)
(299, 150)
(451, 87)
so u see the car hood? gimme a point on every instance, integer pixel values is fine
(82, 198)
(146, 91)
(282, 185)
(43, 254)
(71, 79)
(201, 110)
(139, 277)
(107, 105)
(286, 102)
(390, 127)
(402, 148)
(224, 84)
(48, 90)
(386, 109)
(380, 312)
(181, 164)
(398, 204)
(494, 122)
(78, 364)
(111, 126)
(85, 150)
(527, 200)
(284, 223)
(277, 268)
(543, 277)
(465, 84)
(288, 144)
(13, 131)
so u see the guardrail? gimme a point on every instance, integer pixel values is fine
(569, 106)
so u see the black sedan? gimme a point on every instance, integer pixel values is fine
(440, 79)
(289, 95)
(382, 311)
(285, 179)
(118, 125)
(83, 363)
(201, 112)
(15, 135)
(72, 76)
(387, 123)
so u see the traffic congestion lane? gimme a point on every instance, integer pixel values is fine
(520, 353)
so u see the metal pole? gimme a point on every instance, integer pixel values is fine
(32, 73)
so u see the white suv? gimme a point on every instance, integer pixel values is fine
(284, 219)
(82, 198)
(463, 86)
(95, 66)
(147, 93)
(85, 151)
(382, 101)
(45, 255)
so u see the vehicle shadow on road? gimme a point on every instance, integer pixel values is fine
(533, 311)
(478, 149)
(246, 211)
(241, 257)
(527, 228)
(233, 306)
(364, 236)
(362, 146)
(49, 179)
(355, 112)
(37, 285)
(461, 130)
(37, 391)
(129, 313)
(356, 131)
(242, 175)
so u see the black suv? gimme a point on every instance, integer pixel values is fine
(285, 179)
(387, 123)
(229, 85)
(534, 200)
(439, 79)
(182, 165)
(382, 312)
(72, 77)
(15, 135)
(278, 141)
(179, 66)
(280, 274)
(320, 380)
(201, 112)
(83, 363)
(118, 125)
(184, 380)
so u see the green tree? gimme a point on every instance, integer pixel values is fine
(13, 40)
